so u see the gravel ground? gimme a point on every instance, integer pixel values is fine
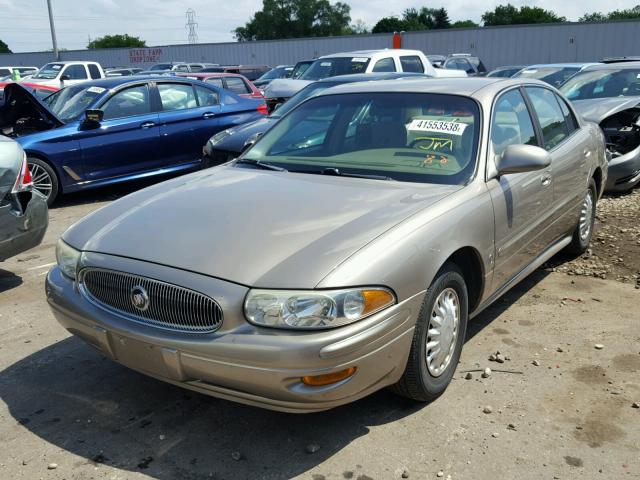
(561, 403)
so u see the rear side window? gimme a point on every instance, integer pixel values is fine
(237, 85)
(206, 97)
(411, 63)
(216, 81)
(569, 118)
(177, 96)
(75, 72)
(385, 65)
(511, 123)
(94, 71)
(552, 121)
(127, 103)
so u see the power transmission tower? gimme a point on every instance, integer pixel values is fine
(191, 25)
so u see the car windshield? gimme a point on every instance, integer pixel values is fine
(49, 71)
(330, 67)
(161, 66)
(555, 76)
(69, 103)
(275, 73)
(308, 91)
(624, 82)
(410, 137)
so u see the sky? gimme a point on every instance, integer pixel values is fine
(24, 24)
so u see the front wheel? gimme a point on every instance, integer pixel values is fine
(44, 178)
(584, 229)
(438, 338)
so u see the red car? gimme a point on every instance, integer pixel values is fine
(230, 81)
(40, 91)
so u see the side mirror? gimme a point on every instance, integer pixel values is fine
(92, 118)
(522, 158)
(64, 78)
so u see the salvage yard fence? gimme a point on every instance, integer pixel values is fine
(504, 45)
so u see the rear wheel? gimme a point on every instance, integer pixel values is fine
(584, 229)
(438, 338)
(44, 178)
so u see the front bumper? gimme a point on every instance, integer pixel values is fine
(624, 172)
(20, 230)
(241, 362)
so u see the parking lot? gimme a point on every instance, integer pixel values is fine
(559, 407)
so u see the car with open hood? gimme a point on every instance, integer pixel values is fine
(609, 95)
(119, 129)
(307, 275)
(23, 211)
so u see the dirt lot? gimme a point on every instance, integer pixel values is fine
(562, 408)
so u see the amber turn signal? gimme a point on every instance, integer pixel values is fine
(328, 378)
(375, 300)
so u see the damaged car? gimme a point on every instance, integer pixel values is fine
(307, 275)
(609, 95)
(23, 211)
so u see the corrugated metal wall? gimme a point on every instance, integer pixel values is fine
(520, 44)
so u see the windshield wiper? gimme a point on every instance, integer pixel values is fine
(338, 173)
(259, 164)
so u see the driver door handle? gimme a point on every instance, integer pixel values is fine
(545, 179)
(147, 125)
(208, 115)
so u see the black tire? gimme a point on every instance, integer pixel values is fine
(579, 242)
(40, 170)
(417, 382)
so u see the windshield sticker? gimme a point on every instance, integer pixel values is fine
(360, 59)
(95, 89)
(325, 64)
(453, 128)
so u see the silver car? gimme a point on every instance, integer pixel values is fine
(345, 251)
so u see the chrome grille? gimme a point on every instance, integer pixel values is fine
(168, 306)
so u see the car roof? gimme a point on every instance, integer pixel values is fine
(207, 74)
(563, 65)
(364, 77)
(370, 53)
(454, 86)
(614, 66)
(114, 82)
(65, 62)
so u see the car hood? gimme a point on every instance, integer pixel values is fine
(20, 103)
(234, 142)
(597, 109)
(284, 87)
(253, 227)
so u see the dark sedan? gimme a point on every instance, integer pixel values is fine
(118, 129)
(229, 143)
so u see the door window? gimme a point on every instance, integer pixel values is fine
(75, 72)
(511, 123)
(570, 119)
(411, 63)
(206, 97)
(216, 81)
(177, 96)
(552, 121)
(127, 103)
(94, 71)
(385, 65)
(237, 85)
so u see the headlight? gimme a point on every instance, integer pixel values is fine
(314, 309)
(67, 258)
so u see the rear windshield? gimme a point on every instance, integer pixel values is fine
(330, 67)
(555, 76)
(49, 71)
(279, 72)
(411, 137)
(603, 83)
(71, 102)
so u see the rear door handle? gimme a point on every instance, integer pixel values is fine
(208, 115)
(147, 125)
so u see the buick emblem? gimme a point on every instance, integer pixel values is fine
(139, 298)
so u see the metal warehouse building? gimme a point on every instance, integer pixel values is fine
(517, 44)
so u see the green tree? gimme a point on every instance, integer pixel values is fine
(116, 41)
(4, 48)
(510, 15)
(464, 24)
(414, 19)
(295, 19)
(388, 25)
(627, 14)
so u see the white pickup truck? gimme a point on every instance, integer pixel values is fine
(361, 61)
(62, 74)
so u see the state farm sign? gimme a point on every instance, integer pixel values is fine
(144, 55)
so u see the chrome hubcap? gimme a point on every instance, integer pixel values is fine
(42, 181)
(443, 331)
(586, 214)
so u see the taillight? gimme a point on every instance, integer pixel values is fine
(24, 182)
(263, 109)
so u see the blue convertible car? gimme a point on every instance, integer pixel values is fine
(118, 129)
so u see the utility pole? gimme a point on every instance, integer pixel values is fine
(53, 32)
(191, 25)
